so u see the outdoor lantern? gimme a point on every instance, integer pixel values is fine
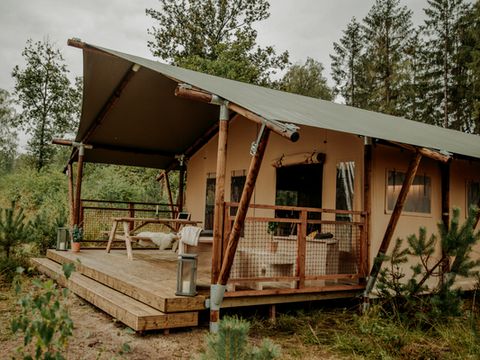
(63, 238)
(187, 275)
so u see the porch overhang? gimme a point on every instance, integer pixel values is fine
(131, 115)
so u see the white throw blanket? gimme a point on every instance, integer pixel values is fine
(162, 240)
(189, 235)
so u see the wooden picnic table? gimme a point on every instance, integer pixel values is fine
(129, 229)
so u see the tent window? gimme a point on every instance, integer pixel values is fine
(418, 198)
(210, 201)
(473, 193)
(345, 189)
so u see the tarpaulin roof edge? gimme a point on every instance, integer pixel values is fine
(286, 107)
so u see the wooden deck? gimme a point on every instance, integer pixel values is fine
(141, 292)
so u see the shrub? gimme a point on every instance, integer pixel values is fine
(404, 297)
(44, 319)
(231, 342)
(8, 266)
(13, 229)
(44, 231)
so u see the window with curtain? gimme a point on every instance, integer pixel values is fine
(419, 197)
(209, 201)
(345, 189)
(473, 193)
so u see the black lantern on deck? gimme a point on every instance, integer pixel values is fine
(187, 275)
(63, 238)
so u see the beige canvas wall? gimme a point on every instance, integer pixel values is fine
(387, 158)
(464, 171)
(337, 147)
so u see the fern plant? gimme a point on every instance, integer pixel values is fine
(13, 229)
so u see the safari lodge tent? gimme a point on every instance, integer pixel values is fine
(296, 196)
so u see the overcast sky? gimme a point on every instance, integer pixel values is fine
(303, 27)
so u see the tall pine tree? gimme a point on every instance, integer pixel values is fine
(346, 64)
(471, 43)
(445, 63)
(387, 28)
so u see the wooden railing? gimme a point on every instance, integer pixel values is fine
(96, 215)
(297, 248)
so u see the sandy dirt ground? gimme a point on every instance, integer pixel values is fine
(99, 336)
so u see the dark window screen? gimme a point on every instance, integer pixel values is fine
(209, 202)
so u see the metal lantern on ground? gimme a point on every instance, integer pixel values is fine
(187, 275)
(63, 238)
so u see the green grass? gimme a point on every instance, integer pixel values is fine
(345, 334)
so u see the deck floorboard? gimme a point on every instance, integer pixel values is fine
(150, 277)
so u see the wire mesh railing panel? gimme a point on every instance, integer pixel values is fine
(261, 254)
(97, 216)
(300, 251)
(334, 248)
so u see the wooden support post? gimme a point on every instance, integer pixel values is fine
(219, 211)
(181, 188)
(243, 208)
(445, 170)
(71, 201)
(301, 249)
(78, 187)
(131, 213)
(367, 207)
(392, 224)
(169, 192)
(272, 313)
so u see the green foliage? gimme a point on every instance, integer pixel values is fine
(44, 320)
(9, 266)
(44, 191)
(8, 135)
(386, 29)
(111, 182)
(77, 234)
(445, 67)
(231, 342)
(215, 37)
(472, 40)
(50, 103)
(13, 229)
(307, 79)
(403, 296)
(347, 64)
(44, 230)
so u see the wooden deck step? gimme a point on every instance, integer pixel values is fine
(149, 278)
(131, 312)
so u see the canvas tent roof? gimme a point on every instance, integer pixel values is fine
(152, 125)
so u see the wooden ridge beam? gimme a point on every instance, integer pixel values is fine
(425, 152)
(276, 126)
